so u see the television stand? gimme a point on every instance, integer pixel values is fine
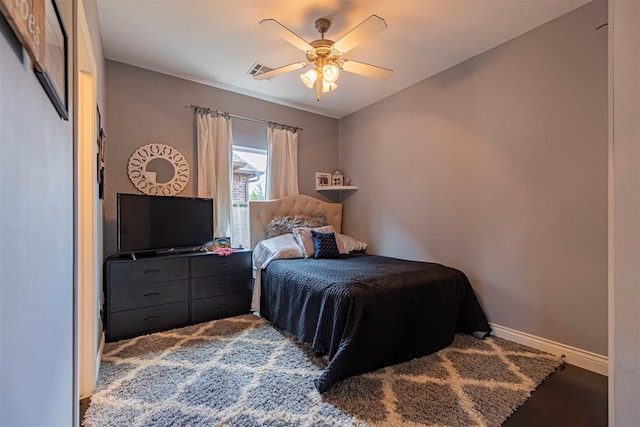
(172, 251)
(134, 256)
(145, 294)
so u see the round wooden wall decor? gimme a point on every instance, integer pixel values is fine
(158, 169)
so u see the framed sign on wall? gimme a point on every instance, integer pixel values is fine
(27, 18)
(54, 77)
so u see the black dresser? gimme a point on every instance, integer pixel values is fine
(161, 292)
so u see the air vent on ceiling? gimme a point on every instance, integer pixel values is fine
(258, 68)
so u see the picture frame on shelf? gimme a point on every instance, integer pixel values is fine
(222, 242)
(54, 76)
(323, 179)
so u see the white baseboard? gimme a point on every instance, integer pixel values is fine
(99, 356)
(87, 391)
(572, 355)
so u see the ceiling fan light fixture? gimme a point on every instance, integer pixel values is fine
(328, 86)
(325, 55)
(309, 78)
(330, 73)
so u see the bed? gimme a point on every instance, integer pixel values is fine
(362, 311)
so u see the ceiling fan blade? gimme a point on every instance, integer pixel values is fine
(367, 28)
(280, 70)
(285, 33)
(366, 69)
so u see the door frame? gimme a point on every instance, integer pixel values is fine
(88, 213)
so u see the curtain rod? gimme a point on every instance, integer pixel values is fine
(250, 119)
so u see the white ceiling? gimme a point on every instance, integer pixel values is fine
(216, 42)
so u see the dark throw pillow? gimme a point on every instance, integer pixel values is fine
(325, 245)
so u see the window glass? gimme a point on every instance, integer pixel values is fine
(249, 180)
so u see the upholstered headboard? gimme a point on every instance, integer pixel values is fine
(262, 212)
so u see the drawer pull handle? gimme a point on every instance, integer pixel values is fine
(224, 264)
(152, 294)
(224, 304)
(151, 317)
(224, 284)
(155, 270)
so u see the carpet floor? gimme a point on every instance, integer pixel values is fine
(241, 371)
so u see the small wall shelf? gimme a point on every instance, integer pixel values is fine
(337, 192)
(338, 188)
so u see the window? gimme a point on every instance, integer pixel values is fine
(249, 181)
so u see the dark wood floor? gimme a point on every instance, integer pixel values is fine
(570, 397)
(84, 404)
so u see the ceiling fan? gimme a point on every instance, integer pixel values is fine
(326, 54)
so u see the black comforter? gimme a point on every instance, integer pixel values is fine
(367, 311)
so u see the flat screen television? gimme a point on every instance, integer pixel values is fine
(162, 223)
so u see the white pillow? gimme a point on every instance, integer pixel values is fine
(348, 244)
(305, 240)
(279, 247)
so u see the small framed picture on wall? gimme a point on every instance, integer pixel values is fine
(100, 156)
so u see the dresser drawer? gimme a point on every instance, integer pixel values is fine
(148, 294)
(211, 264)
(147, 271)
(212, 286)
(129, 323)
(218, 307)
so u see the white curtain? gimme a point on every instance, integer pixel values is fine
(215, 167)
(282, 163)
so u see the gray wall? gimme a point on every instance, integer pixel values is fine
(624, 303)
(498, 166)
(36, 254)
(144, 107)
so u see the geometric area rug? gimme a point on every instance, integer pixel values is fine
(240, 371)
